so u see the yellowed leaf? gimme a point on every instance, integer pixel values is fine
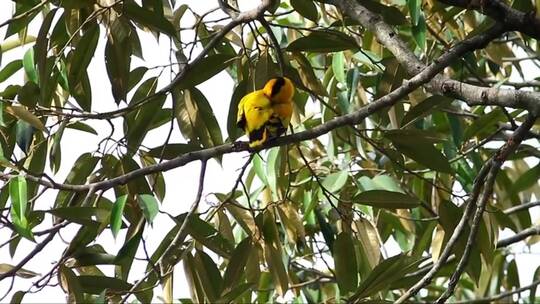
(24, 114)
(436, 243)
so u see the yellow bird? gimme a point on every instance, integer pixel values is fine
(265, 114)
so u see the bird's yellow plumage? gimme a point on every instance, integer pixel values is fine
(265, 114)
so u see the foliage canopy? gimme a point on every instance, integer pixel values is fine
(410, 134)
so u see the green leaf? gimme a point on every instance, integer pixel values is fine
(82, 168)
(116, 214)
(135, 76)
(23, 8)
(306, 75)
(484, 125)
(338, 66)
(19, 201)
(134, 129)
(68, 277)
(205, 69)
(323, 42)
(386, 199)
(91, 258)
(258, 166)
(383, 275)
(156, 180)
(264, 69)
(84, 51)
(418, 146)
(96, 284)
(345, 263)
(10, 69)
(536, 277)
(149, 19)
(209, 275)
(527, 179)
(118, 51)
(419, 32)
(415, 10)
(391, 14)
(126, 254)
(171, 151)
(326, 229)
(424, 108)
(17, 297)
(149, 205)
(234, 296)
(138, 185)
(29, 94)
(235, 268)
(18, 193)
(82, 92)
(84, 236)
(239, 92)
(29, 65)
(306, 8)
(335, 181)
(41, 49)
(81, 215)
(55, 154)
(385, 182)
(193, 279)
(207, 235)
(81, 126)
(196, 119)
(277, 268)
(2, 124)
(512, 276)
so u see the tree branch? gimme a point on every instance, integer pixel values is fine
(521, 207)
(520, 236)
(30, 255)
(499, 11)
(486, 172)
(517, 85)
(495, 164)
(501, 295)
(175, 243)
(472, 95)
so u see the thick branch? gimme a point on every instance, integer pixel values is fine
(513, 19)
(472, 95)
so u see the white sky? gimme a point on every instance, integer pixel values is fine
(182, 182)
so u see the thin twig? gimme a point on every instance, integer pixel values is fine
(521, 207)
(520, 236)
(495, 164)
(175, 243)
(501, 295)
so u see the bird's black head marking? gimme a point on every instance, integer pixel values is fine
(280, 82)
